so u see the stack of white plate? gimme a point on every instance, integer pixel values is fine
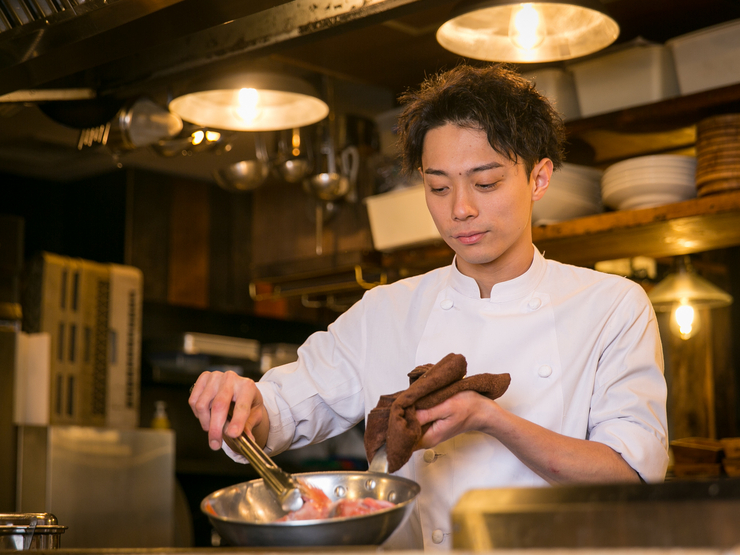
(574, 192)
(649, 181)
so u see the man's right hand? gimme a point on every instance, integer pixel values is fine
(211, 397)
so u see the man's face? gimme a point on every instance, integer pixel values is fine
(480, 201)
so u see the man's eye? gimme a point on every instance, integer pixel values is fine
(487, 185)
(437, 190)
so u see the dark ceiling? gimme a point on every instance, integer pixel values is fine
(126, 48)
(397, 54)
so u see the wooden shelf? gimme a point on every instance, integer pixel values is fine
(668, 126)
(668, 114)
(695, 225)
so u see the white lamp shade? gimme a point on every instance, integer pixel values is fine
(689, 287)
(484, 30)
(251, 102)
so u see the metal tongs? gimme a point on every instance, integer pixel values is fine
(286, 488)
(380, 461)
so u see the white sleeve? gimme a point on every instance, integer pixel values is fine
(628, 407)
(321, 394)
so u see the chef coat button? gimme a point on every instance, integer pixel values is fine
(430, 456)
(534, 304)
(446, 304)
(438, 536)
(544, 371)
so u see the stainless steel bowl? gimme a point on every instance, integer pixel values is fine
(245, 514)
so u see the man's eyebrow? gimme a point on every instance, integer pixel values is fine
(476, 169)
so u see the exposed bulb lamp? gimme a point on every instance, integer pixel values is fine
(543, 31)
(684, 292)
(251, 102)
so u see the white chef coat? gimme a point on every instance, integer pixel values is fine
(582, 348)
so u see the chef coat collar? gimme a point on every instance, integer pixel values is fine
(509, 290)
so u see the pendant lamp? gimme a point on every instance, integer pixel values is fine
(543, 31)
(682, 293)
(251, 102)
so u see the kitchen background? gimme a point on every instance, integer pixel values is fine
(253, 265)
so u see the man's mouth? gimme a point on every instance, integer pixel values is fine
(469, 238)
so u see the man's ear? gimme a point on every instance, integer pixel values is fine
(540, 178)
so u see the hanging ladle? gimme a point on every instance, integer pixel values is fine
(327, 187)
(246, 175)
(294, 161)
(330, 185)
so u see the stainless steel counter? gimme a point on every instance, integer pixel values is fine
(700, 514)
(674, 518)
(366, 550)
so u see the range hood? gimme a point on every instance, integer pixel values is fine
(68, 66)
(85, 55)
(125, 47)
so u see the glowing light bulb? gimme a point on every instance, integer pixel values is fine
(212, 136)
(197, 137)
(685, 320)
(295, 142)
(248, 101)
(527, 27)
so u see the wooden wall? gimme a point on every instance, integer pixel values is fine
(702, 372)
(191, 239)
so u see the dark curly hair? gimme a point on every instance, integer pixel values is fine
(519, 121)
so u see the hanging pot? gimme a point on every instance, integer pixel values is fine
(24, 531)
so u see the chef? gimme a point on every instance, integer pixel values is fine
(587, 399)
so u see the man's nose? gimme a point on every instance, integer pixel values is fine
(463, 204)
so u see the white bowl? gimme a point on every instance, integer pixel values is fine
(655, 160)
(581, 180)
(635, 196)
(649, 173)
(650, 201)
(666, 185)
(557, 206)
(657, 183)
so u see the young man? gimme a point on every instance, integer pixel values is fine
(587, 396)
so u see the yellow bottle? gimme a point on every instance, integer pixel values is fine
(160, 420)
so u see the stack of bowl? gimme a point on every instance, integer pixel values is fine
(649, 181)
(573, 192)
(718, 154)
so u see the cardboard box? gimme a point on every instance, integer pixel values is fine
(558, 86)
(124, 360)
(629, 76)
(91, 339)
(731, 467)
(731, 447)
(708, 58)
(696, 450)
(92, 313)
(400, 218)
(50, 306)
